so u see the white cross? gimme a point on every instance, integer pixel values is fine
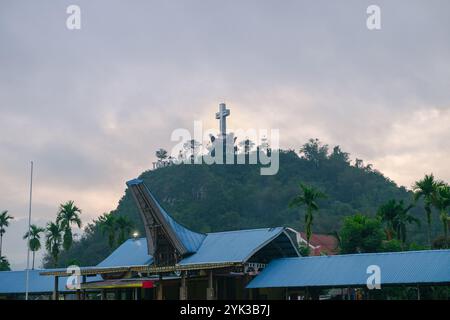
(222, 114)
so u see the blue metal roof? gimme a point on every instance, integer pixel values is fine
(231, 246)
(429, 266)
(13, 282)
(191, 240)
(132, 252)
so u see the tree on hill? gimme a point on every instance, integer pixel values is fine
(161, 154)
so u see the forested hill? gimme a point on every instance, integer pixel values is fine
(224, 197)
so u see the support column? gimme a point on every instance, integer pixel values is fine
(210, 294)
(418, 292)
(183, 288)
(103, 294)
(159, 290)
(83, 280)
(55, 289)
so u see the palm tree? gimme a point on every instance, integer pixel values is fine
(308, 197)
(34, 239)
(247, 145)
(4, 264)
(124, 226)
(4, 222)
(107, 224)
(441, 202)
(402, 219)
(54, 232)
(426, 188)
(388, 212)
(68, 214)
(396, 217)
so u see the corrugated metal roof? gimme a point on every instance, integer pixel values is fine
(130, 253)
(231, 246)
(14, 282)
(430, 266)
(190, 240)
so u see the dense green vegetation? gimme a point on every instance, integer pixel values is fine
(210, 198)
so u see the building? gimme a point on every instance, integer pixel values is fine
(307, 277)
(173, 262)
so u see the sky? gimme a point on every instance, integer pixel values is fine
(91, 106)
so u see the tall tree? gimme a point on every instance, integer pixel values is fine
(68, 215)
(124, 226)
(307, 197)
(192, 146)
(395, 215)
(34, 239)
(314, 151)
(53, 241)
(402, 219)
(4, 223)
(441, 202)
(161, 154)
(107, 225)
(426, 188)
(361, 234)
(247, 145)
(388, 212)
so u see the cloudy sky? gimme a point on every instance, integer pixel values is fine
(91, 106)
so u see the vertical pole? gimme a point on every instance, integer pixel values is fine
(83, 280)
(418, 292)
(210, 290)
(55, 289)
(183, 289)
(28, 240)
(159, 293)
(136, 293)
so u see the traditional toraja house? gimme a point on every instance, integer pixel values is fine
(173, 262)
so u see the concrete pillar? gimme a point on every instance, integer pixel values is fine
(55, 289)
(210, 293)
(418, 292)
(183, 287)
(159, 291)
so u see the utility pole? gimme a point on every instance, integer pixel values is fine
(29, 231)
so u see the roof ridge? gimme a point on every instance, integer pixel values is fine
(244, 230)
(371, 254)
